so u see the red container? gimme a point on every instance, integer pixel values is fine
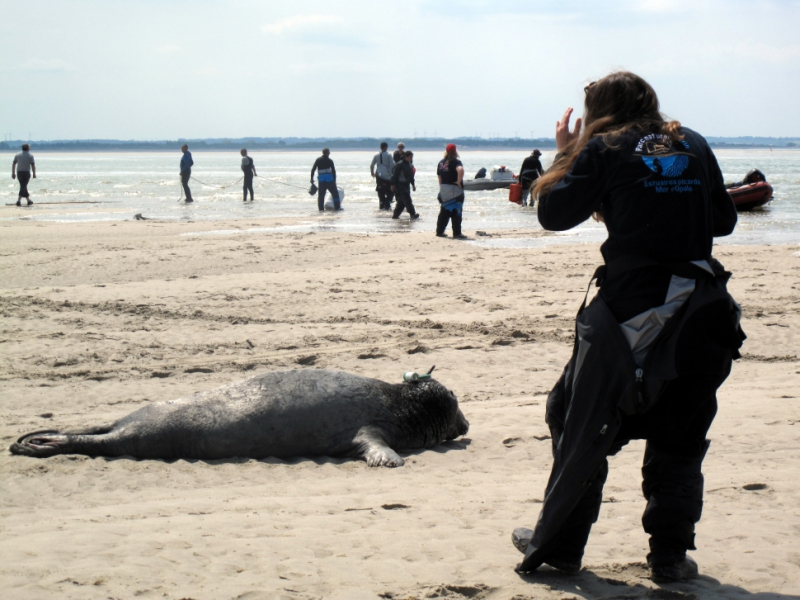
(515, 193)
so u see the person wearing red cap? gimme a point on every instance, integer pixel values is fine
(451, 193)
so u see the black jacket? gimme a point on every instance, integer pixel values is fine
(403, 174)
(660, 199)
(530, 171)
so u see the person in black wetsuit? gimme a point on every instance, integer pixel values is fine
(451, 193)
(249, 170)
(326, 176)
(529, 172)
(402, 184)
(400, 153)
(658, 188)
(186, 172)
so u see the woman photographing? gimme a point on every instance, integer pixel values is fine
(657, 341)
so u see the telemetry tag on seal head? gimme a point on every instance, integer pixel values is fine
(412, 376)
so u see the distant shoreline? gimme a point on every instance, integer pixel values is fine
(256, 148)
(346, 144)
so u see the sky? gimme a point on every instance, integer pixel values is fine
(168, 69)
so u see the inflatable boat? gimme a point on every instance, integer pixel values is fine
(753, 191)
(500, 177)
(477, 185)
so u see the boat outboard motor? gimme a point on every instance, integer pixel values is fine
(754, 176)
(481, 174)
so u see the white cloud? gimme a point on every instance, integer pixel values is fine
(299, 22)
(334, 66)
(38, 65)
(752, 52)
(663, 6)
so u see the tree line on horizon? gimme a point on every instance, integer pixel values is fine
(425, 143)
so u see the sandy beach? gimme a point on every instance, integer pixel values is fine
(101, 318)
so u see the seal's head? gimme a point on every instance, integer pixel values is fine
(429, 414)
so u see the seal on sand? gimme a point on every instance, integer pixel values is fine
(280, 414)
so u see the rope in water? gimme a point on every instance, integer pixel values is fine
(289, 184)
(300, 187)
(219, 187)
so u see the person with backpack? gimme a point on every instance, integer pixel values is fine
(381, 170)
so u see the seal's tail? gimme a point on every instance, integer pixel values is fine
(49, 442)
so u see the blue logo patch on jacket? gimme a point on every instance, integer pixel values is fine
(669, 166)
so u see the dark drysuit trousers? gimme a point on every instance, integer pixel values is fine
(23, 177)
(447, 216)
(675, 430)
(185, 175)
(248, 185)
(672, 481)
(385, 193)
(403, 197)
(323, 187)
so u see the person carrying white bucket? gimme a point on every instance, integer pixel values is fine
(326, 177)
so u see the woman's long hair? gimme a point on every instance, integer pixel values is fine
(617, 103)
(448, 156)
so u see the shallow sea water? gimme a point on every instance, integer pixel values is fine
(80, 187)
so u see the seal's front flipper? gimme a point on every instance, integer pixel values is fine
(375, 450)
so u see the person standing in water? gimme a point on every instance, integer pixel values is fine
(631, 376)
(529, 172)
(21, 169)
(400, 153)
(381, 170)
(249, 170)
(402, 184)
(451, 193)
(186, 172)
(326, 176)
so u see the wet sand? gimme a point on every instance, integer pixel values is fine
(101, 318)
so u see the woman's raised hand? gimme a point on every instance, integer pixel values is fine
(563, 136)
